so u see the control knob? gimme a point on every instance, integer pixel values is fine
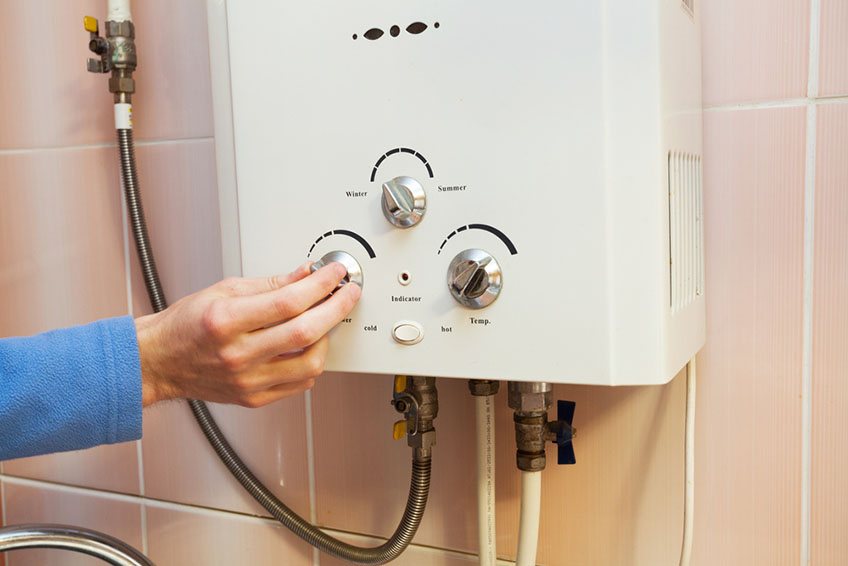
(475, 278)
(404, 201)
(354, 270)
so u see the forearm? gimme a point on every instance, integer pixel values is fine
(70, 389)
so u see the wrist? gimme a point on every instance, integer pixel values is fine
(154, 385)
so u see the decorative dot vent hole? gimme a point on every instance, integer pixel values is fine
(415, 28)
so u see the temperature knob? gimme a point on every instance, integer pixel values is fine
(354, 270)
(475, 279)
(404, 201)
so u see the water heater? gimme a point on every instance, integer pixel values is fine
(516, 184)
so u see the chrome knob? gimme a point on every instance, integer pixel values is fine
(404, 201)
(475, 279)
(354, 270)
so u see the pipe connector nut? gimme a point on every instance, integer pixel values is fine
(536, 402)
(124, 85)
(123, 28)
(530, 462)
(483, 387)
(425, 439)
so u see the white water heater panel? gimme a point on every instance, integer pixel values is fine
(519, 182)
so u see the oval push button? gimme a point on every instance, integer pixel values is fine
(407, 333)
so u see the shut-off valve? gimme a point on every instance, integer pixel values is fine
(417, 399)
(116, 54)
(531, 401)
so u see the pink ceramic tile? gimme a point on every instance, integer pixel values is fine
(179, 464)
(748, 435)
(178, 537)
(629, 464)
(412, 556)
(754, 50)
(833, 58)
(830, 337)
(174, 93)
(61, 244)
(3, 517)
(53, 101)
(113, 468)
(362, 475)
(61, 240)
(180, 198)
(45, 504)
(2, 523)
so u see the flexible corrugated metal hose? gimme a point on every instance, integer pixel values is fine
(419, 486)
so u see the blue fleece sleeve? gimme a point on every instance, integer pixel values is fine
(70, 389)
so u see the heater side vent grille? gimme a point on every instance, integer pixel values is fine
(686, 233)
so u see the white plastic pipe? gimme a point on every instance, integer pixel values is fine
(528, 523)
(119, 11)
(689, 489)
(486, 537)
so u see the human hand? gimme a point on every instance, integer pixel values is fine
(218, 344)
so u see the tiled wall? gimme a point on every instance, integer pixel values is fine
(771, 408)
(771, 436)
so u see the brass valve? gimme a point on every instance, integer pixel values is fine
(417, 399)
(116, 54)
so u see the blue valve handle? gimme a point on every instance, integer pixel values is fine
(564, 433)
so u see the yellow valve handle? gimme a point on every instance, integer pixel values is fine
(90, 24)
(399, 430)
(400, 383)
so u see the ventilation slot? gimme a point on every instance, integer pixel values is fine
(686, 233)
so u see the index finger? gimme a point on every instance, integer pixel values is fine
(306, 329)
(253, 285)
(258, 311)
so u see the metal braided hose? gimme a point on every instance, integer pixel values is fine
(419, 488)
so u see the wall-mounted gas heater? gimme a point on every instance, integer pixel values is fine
(518, 183)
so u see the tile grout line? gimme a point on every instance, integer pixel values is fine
(778, 103)
(208, 512)
(130, 311)
(310, 469)
(421, 547)
(806, 339)
(809, 272)
(814, 54)
(104, 145)
(3, 515)
(3, 502)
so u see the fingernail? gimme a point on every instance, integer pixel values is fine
(357, 292)
(339, 269)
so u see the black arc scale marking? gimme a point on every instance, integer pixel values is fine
(349, 234)
(486, 228)
(400, 150)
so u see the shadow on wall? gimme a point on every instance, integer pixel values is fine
(616, 506)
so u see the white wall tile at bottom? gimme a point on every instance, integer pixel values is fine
(412, 556)
(30, 503)
(177, 537)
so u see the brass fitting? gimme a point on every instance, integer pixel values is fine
(530, 401)
(418, 400)
(117, 54)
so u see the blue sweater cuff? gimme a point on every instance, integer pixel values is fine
(70, 389)
(125, 421)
